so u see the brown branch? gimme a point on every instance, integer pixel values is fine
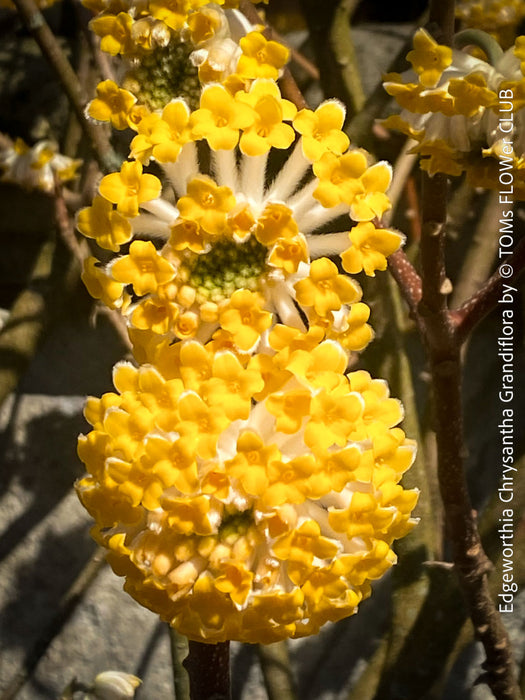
(42, 34)
(408, 280)
(474, 310)
(208, 667)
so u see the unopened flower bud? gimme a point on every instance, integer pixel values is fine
(115, 685)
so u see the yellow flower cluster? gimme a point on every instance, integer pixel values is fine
(249, 498)
(171, 48)
(237, 255)
(35, 167)
(499, 18)
(244, 485)
(452, 106)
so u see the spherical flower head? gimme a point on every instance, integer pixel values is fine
(325, 289)
(245, 319)
(370, 248)
(103, 223)
(207, 204)
(261, 58)
(255, 528)
(429, 59)
(114, 31)
(144, 268)
(130, 188)
(321, 130)
(112, 104)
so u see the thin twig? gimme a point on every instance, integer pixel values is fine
(38, 27)
(474, 310)
(408, 280)
(80, 252)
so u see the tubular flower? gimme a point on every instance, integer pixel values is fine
(465, 120)
(35, 167)
(244, 254)
(247, 504)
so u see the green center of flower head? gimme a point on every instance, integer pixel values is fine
(164, 72)
(227, 267)
(234, 525)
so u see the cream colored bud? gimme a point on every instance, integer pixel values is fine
(160, 34)
(115, 685)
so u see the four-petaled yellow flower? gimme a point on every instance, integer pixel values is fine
(115, 32)
(103, 223)
(321, 130)
(268, 130)
(220, 117)
(207, 204)
(428, 58)
(162, 136)
(370, 248)
(261, 58)
(130, 188)
(245, 318)
(144, 268)
(325, 289)
(112, 104)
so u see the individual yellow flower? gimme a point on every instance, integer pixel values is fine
(325, 289)
(339, 177)
(321, 130)
(100, 285)
(287, 253)
(276, 223)
(370, 248)
(220, 117)
(154, 315)
(204, 24)
(268, 130)
(261, 58)
(187, 234)
(112, 104)
(245, 319)
(130, 188)
(232, 386)
(250, 464)
(103, 223)
(115, 32)
(207, 204)
(172, 12)
(370, 200)
(144, 268)
(471, 94)
(428, 58)
(162, 137)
